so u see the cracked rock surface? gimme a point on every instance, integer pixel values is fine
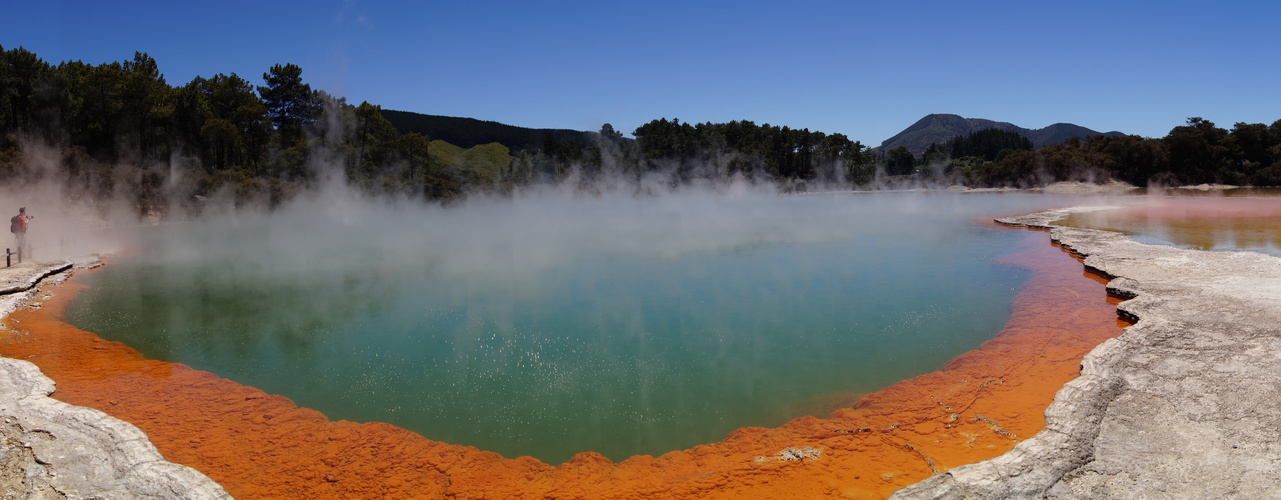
(50, 449)
(1185, 404)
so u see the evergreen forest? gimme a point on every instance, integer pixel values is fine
(120, 131)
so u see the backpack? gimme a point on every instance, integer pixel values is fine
(15, 225)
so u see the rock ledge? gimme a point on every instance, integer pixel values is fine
(50, 449)
(1185, 403)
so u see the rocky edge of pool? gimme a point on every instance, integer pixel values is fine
(1185, 403)
(51, 449)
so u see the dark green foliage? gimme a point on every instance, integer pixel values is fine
(723, 150)
(899, 161)
(124, 133)
(290, 103)
(468, 132)
(228, 118)
(607, 154)
(146, 110)
(986, 144)
(22, 78)
(90, 104)
(1195, 153)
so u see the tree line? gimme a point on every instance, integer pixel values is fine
(793, 157)
(1197, 152)
(119, 131)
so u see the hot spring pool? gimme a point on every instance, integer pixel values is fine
(546, 325)
(1250, 220)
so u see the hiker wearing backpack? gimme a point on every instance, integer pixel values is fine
(18, 226)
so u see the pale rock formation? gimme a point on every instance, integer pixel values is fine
(50, 449)
(1184, 404)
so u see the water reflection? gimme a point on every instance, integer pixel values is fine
(1203, 223)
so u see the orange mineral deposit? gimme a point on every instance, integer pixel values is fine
(1203, 223)
(259, 445)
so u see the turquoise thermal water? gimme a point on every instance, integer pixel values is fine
(548, 325)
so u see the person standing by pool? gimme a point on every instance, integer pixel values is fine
(18, 226)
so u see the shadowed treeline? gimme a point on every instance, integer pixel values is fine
(118, 134)
(1195, 153)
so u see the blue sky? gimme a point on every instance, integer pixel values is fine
(864, 69)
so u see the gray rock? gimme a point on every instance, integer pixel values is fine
(1184, 404)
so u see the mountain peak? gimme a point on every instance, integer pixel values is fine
(940, 127)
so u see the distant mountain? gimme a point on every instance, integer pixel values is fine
(468, 132)
(938, 128)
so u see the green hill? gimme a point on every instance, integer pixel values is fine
(486, 161)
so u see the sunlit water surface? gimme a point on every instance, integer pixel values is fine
(549, 325)
(1245, 220)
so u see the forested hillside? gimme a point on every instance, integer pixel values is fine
(937, 128)
(120, 131)
(468, 132)
(1195, 153)
(990, 145)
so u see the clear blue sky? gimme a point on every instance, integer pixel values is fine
(864, 69)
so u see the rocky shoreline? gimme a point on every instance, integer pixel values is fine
(51, 449)
(1185, 403)
(258, 445)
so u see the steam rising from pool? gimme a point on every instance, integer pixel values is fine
(550, 323)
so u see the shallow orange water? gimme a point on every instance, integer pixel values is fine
(1203, 223)
(262, 446)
